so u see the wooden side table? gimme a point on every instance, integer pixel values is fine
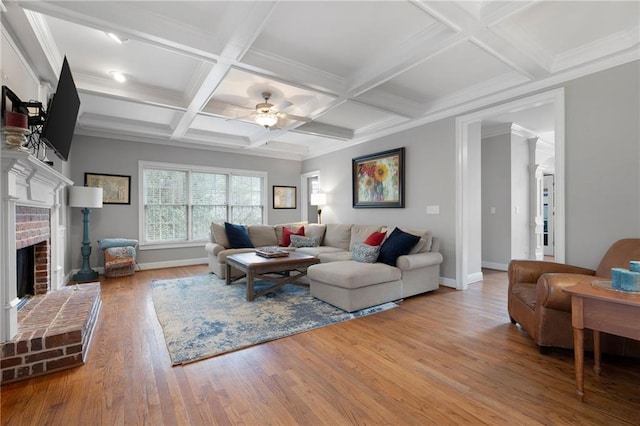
(601, 309)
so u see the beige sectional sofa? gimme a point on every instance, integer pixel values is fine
(338, 279)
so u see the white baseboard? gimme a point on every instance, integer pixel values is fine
(448, 282)
(496, 266)
(474, 278)
(150, 265)
(173, 263)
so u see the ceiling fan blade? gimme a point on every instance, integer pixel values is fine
(241, 117)
(282, 105)
(297, 118)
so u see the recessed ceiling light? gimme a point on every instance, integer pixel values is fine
(118, 76)
(117, 38)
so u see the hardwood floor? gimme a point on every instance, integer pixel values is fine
(448, 357)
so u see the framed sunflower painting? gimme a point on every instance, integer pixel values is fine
(378, 179)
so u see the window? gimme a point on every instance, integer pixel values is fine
(180, 202)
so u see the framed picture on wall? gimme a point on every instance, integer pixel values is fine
(116, 189)
(378, 179)
(284, 197)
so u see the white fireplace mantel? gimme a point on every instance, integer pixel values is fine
(25, 181)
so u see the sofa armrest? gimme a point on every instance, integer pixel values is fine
(550, 289)
(418, 260)
(213, 249)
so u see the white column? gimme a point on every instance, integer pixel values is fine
(536, 250)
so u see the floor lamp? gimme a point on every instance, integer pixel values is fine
(86, 198)
(318, 199)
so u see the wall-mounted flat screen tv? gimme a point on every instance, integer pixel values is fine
(62, 114)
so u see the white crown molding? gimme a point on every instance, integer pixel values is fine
(45, 38)
(18, 52)
(603, 47)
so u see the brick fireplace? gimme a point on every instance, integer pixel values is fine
(53, 329)
(31, 213)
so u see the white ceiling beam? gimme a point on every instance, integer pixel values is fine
(236, 47)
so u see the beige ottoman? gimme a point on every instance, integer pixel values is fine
(352, 285)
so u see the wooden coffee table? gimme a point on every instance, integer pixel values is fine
(601, 310)
(277, 270)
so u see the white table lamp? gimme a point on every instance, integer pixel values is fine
(319, 199)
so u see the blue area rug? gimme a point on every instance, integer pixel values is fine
(202, 317)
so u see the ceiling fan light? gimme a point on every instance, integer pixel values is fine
(266, 119)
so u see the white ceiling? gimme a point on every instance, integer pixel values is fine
(359, 70)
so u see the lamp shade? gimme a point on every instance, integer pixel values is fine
(318, 199)
(85, 196)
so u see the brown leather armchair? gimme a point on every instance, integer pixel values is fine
(537, 302)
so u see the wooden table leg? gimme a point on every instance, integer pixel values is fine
(228, 274)
(251, 295)
(578, 351)
(596, 351)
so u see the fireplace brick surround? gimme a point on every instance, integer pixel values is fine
(33, 229)
(53, 330)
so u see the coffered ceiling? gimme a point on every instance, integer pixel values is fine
(354, 71)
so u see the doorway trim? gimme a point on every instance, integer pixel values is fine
(556, 96)
(304, 191)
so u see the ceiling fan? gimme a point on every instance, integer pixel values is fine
(267, 115)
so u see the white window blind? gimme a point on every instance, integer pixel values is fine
(179, 203)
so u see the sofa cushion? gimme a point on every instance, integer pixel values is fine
(375, 239)
(262, 235)
(300, 241)
(287, 233)
(359, 233)
(317, 251)
(351, 274)
(315, 230)
(237, 235)
(397, 244)
(365, 253)
(219, 234)
(335, 256)
(222, 256)
(338, 235)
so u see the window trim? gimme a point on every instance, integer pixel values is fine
(142, 165)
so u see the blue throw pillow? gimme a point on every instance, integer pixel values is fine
(238, 236)
(398, 244)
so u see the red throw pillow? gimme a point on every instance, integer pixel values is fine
(375, 239)
(287, 233)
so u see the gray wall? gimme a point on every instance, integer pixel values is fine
(602, 175)
(430, 180)
(98, 155)
(602, 162)
(519, 197)
(496, 193)
(602, 170)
